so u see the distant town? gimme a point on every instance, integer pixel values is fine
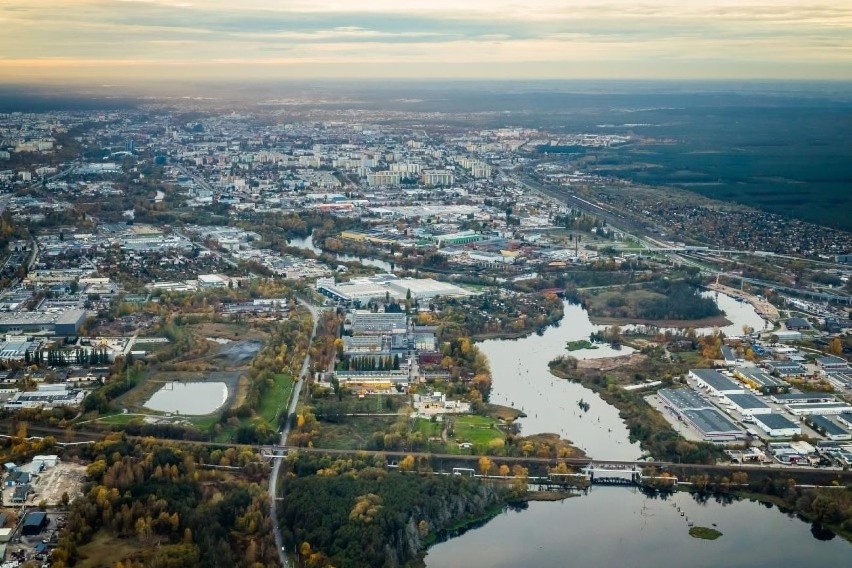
(255, 305)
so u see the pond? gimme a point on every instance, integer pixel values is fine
(614, 526)
(189, 399)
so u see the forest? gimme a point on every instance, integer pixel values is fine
(356, 512)
(655, 301)
(169, 507)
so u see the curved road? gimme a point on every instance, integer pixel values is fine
(276, 467)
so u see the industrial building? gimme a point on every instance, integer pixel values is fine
(47, 396)
(802, 397)
(748, 405)
(828, 428)
(363, 290)
(34, 523)
(697, 411)
(777, 425)
(65, 322)
(785, 368)
(715, 382)
(811, 408)
(761, 380)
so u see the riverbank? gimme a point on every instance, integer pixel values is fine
(645, 425)
(715, 321)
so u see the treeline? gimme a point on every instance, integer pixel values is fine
(492, 313)
(645, 424)
(169, 509)
(354, 512)
(681, 300)
(369, 363)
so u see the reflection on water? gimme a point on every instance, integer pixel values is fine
(614, 526)
(188, 398)
(522, 379)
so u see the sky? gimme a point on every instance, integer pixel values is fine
(164, 40)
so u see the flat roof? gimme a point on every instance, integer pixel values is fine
(761, 377)
(716, 380)
(795, 396)
(775, 421)
(684, 398)
(710, 421)
(827, 425)
(747, 400)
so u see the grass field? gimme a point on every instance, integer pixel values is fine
(276, 398)
(105, 550)
(478, 430)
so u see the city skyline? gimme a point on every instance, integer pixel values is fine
(140, 40)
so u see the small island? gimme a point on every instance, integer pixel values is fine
(580, 344)
(705, 533)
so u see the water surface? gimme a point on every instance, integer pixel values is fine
(189, 398)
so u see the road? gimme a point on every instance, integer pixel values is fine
(291, 409)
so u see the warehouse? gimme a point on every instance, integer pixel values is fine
(34, 523)
(697, 411)
(715, 382)
(777, 425)
(748, 404)
(785, 368)
(828, 428)
(802, 397)
(809, 409)
(66, 322)
(761, 380)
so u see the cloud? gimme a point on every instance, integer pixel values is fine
(559, 38)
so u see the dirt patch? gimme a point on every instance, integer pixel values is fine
(611, 363)
(239, 352)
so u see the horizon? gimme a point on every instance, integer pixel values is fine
(135, 41)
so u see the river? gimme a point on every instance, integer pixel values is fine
(308, 244)
(616, 526)
(522, 379)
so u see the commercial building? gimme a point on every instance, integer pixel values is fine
(777, 425)
(367, 323)
(459, 238)
(828, 428)
(715, 382)
(748, 405)
(65, 322)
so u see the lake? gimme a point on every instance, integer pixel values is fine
(190, 399)
(622, 527)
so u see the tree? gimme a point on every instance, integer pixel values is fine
(406, 463)
(485, 465)
(835, 347)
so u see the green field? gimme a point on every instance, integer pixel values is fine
(478, 430)
(276, 398)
